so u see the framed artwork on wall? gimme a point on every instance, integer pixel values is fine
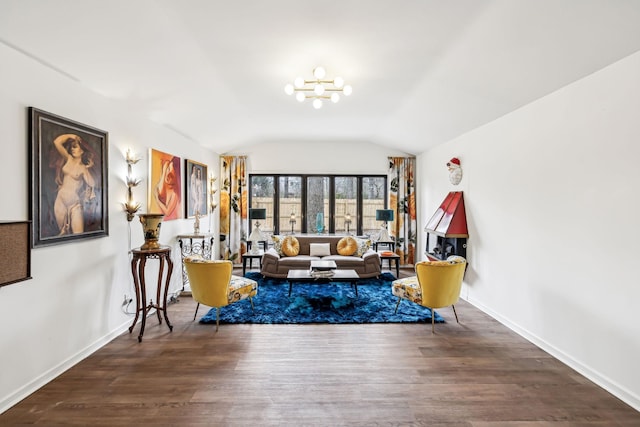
(165, 183)
(15, 251)
(195, 188)
(69, 179)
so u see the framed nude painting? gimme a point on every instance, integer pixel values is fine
(195, 188)
(165, 184)
(69, 179)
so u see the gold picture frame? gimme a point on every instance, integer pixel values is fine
(69, 179)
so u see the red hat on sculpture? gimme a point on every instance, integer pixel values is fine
(454, 162)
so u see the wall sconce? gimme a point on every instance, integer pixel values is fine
(130, 206)
(292, 221)
(212, 198)
(347, 221)
(212, 193)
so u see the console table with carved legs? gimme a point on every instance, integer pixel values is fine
(194, 244)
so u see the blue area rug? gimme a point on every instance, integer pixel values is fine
(322, 303)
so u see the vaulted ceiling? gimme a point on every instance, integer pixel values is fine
(422, 71)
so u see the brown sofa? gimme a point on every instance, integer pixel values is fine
(278, 265)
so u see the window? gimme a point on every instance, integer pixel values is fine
(261, 196)
(317, 200)
(290, 203)
(346, 203)
(374, 196)
(319, 203)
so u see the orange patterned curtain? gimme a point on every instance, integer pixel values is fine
(402, 199)
(233, 207)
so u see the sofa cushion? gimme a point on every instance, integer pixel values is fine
(345, 261)
(319, 249)
(363, 246)
(277, 243)
(290, 246)
(347, 246)
(456, 259)
(437, 262)
(300, 261)
(272, 252)
(197, 258)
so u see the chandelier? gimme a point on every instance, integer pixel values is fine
(319, 88)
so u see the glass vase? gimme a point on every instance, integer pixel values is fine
(320, 222)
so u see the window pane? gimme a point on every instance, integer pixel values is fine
(317, 204)
(290, 203)
(262, 195)
(346, 204)
(290, 190)
(373, 192)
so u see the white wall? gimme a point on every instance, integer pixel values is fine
(72, 306)
(551, 192)
(328, 157)
(549, 199)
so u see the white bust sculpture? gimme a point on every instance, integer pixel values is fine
(455, 171)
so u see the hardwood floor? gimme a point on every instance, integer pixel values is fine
(477, 373)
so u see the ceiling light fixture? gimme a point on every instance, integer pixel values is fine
(318, 88)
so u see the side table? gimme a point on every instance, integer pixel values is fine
(389, 257)
(264, 244)
(390, 245)
(250, 256)
(138, 262)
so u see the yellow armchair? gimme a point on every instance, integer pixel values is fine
(436, 284)
(213, 284)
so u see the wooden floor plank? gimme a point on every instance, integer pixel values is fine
(474, 374)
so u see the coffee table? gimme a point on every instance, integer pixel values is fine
(304, 276)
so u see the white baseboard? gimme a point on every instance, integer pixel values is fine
(58, 370)
(606, 383)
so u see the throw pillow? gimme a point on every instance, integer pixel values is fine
(290, 246)
(319, 249)
(347, 246)
(437, 262)
(277, 243)
(363, 246)
(201, 260)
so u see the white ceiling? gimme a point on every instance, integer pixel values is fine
(423, 71)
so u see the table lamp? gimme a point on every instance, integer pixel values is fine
(292, 221)
(347, 221)
(256, 234)
(384, 215)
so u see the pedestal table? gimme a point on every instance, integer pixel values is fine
(138, 262)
